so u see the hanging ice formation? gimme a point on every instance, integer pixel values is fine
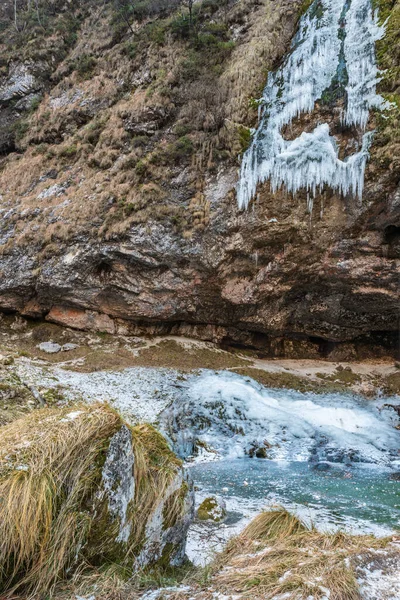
(332, 52)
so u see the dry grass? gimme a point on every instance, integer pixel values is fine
(84, 131)
(155, 468)
(46, 478)
(278, 554)
(53, 521)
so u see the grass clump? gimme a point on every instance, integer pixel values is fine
(56, 515)
(48, 476)
(279, 554)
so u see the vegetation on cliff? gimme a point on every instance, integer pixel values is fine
(141, 91)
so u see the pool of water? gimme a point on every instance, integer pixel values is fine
(331, 494)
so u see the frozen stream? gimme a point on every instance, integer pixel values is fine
(333, 458)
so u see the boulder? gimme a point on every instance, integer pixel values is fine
(49, 347)
(212, 508)
(86, 488)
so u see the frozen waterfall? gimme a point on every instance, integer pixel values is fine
(333, 51)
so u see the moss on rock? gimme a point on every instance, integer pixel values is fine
(212, 509)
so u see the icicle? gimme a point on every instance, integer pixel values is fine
(362, 31)
(320, 51)
(310, 203)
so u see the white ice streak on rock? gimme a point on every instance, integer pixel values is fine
(312, 161)
(118, 480)
(362, 31)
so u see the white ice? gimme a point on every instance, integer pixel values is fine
(333, 35)
(230, 413)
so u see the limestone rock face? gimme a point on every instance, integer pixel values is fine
(118, 481)
(18, 91)
(165, 535)
(119, 211)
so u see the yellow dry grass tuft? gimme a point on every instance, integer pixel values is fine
(54, 520)
(278, 554)
(48, 475)
(155, 468)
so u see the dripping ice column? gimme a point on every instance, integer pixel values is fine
(333, 35)
(292, 90)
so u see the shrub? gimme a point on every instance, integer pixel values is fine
(180, 26)
(190, 66)
(84, 65)
(20, 128)
(181, 149)
(141, 169)
(68, 151)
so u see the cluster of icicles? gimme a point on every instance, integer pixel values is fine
(335, 43)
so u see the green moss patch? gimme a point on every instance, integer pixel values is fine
(211, 510)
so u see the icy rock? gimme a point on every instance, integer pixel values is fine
(333, 49)
(212, 508)
(49, 347)
(231, 415)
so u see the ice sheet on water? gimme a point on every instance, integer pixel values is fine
(231, 414)
(334, 47)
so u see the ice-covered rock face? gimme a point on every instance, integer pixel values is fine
(334, 49)
(232, 415)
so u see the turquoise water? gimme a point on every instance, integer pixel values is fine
(336, 494)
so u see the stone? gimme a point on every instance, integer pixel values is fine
(261, 453)
(118, 481)
(68, 347)
(212, 508)
(49, 347)
(19, 324)
(81, 319)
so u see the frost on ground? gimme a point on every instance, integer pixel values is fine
(378, 575)
(140, 394)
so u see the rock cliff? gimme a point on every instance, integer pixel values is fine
(120, 144)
